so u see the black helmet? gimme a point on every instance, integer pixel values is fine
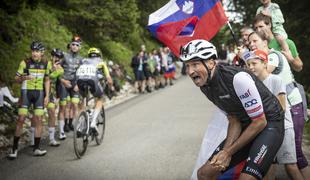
(58, 53)
(36, 45)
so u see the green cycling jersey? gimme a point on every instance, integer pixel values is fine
(38, 70)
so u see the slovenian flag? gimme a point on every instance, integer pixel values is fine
(181, 21)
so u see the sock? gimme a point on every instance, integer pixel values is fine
(95, 115)
(70, 121)
(51, 131)
(66, 121)
(36, 143)
(33, 131)
(15, 143)
(61, 126)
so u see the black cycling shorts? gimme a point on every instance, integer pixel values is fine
(31, 97)
(63, 93)
(96, 87)
(260, 153)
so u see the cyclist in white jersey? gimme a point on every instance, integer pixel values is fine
(91, 71)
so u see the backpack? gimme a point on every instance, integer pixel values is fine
(278, 69)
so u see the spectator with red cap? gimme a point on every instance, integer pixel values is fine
(257, 62)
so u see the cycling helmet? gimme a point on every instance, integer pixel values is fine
(94, 52)
(57, 53)
(37, 46)
(198, 49)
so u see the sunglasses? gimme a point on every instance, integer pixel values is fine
(75, 44)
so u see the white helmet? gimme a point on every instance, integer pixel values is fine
(199, 49)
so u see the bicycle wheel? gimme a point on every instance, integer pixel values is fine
(80, 136)
(101, 127)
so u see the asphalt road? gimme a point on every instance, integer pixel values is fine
(153, 136)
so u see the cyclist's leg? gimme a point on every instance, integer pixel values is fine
(263, 151)
(22, 113)
(67, 111)
(51, 121)
(97, 91)
(62, 92)
(38, 114)
(32, 130)
(75, 99)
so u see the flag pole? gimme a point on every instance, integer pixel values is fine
(232, 33)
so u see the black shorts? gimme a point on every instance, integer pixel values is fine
(96, 88)
(156, 72)
(32, 97)
(63, 93)
(147, 73)
(260, 153)
(139, 75)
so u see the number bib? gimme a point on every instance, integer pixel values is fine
(86, 70)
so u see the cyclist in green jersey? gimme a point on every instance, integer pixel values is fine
(56, 73)
(33, 75)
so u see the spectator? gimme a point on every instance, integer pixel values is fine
(245, 31)
(258, 41)
(274, 12)
(137, 66)
(170, 67)
(231, 54)
(263, 24)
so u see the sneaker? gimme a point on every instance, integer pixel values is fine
(71, 128)
(54, 143)
(39, 152)
(62, 136)
(12, 155)
(66, 128)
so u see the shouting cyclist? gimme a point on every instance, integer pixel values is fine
(33, 75)
(256, 118)
(92, 70)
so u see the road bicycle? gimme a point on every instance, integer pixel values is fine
(83, 134)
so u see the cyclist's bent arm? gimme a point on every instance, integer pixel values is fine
(19, 77)
(106, 72)
(249, 96)
(233, 132)
(248, 134)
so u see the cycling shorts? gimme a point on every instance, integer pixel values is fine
(32, 97)
(67, 94)
(260, 153)
(52, 102)
(96, 88)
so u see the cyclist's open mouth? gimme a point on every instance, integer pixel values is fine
(196, 78)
